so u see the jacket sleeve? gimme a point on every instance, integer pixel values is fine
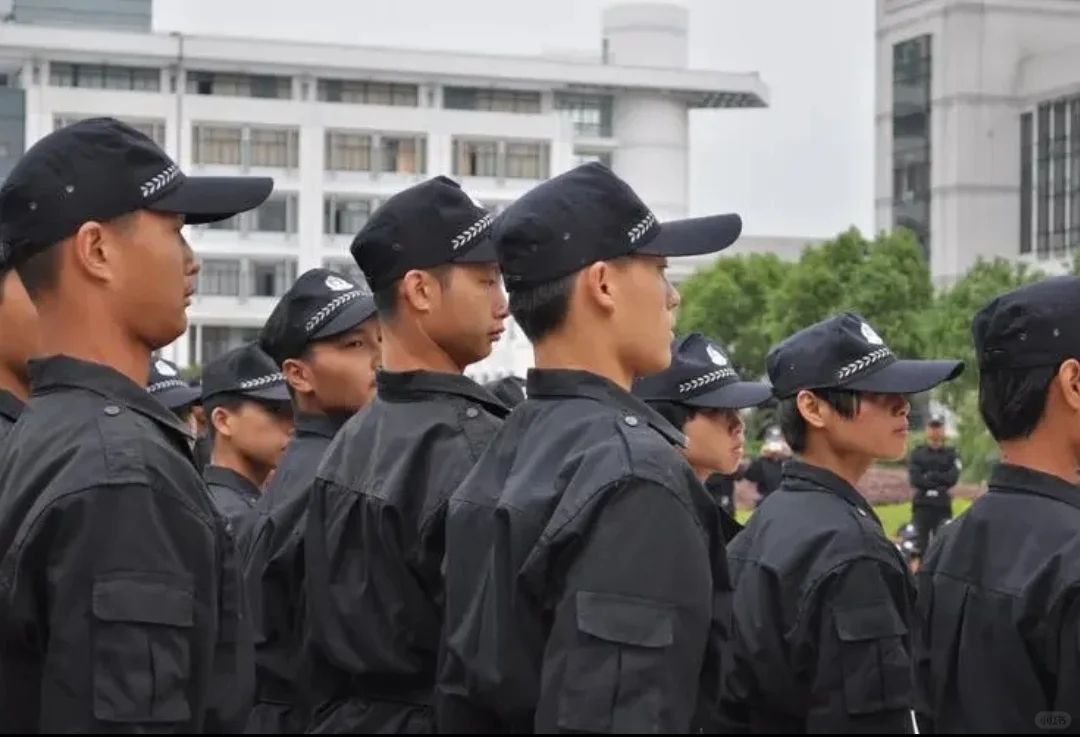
(862, 678)
(123, 654)
(922, 647)
(631, 625)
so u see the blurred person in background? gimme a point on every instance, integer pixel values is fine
(766, 471)
(933, 470)
(20, 343)
(325, 337)
(247, 403)
(177, 395)
(701, 394)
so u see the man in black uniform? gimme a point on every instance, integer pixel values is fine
(20, 343)
(120, 598)
(249, 419)
(325, 337)
(701, 394)
(373, 546)
(586, 586)
(822, 596)
(933, 469)
(998, 649)
(178, 396)
(766, 471)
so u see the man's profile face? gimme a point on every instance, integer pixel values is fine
(935, 433)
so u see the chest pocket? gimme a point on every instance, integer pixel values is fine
(616, 675)
(142, 650)
(876, 667)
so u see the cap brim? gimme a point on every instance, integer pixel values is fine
(211, 199)
(482, 253)
(178, 397)
(907, 377)
(274, 393)
(737, 395)
(357, 312)
(694, 236)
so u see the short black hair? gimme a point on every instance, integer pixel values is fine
(677, 414)
(542, 309)
(40, 272)
(1012, 401)
(793, 424)
(387, 297)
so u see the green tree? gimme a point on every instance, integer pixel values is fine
(885, 280)
(729, 300)
(948, 324)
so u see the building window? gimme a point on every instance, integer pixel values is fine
(911, 165)
(271, 278)
(526, 160)
(343, 215)
(1056, 180)
(402, 155)
(152, 129)
(275, 147)
(348, 151)
(276, 215)
(346, 267)
(219, 277)
(476, 158)
(358, 92)
(104, 77)
(233, 223)
(1026, 190)
(217, 144)
(217, 340)
(491, 100)
(591, 114)
(239, 85)
(228, 145)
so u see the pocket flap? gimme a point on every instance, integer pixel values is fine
(132, 599)
(873, 621)
(625, 620)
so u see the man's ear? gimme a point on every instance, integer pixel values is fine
(597, 285)
(1068, 382)
(297, 375)
(93, 253)
(420, 289)
(221, 419)
(812, 409)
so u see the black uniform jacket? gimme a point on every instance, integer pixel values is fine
(374, 547)
(120, 595)
(234, 495)
(586, 584)
(10, 409)
(931, 473)
(821, 614)
(273, 547)
(998, 647)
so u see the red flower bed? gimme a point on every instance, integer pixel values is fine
(880, 486)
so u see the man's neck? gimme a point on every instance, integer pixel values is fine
(1040, 452)
(563, 352)
(227, 458)
(404, 350)
(101, 346)
(11, 382)
(849, 467)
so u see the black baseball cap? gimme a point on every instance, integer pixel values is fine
(700, 375)
(319, 305)
(587, 215)
(247, 372)
(844, 352)
(168, 387)
(1034, 326)
(99, 169)
(427, 225)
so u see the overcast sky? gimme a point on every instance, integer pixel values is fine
(803, 167)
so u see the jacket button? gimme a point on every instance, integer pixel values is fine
(631, 420)
(112, 410)
(472, 412)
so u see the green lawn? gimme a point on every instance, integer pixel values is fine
(892, 515)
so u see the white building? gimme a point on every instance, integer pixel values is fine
(342, 128)
(978, 128)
